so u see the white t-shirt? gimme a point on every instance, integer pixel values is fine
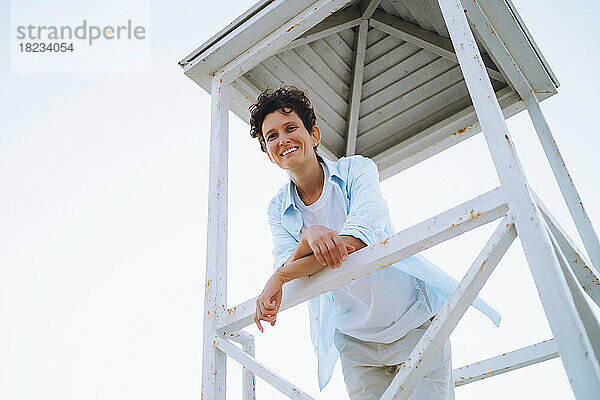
(379, 307)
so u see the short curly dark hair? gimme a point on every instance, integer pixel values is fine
(287, 98)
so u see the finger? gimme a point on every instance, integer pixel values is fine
(350, 248)
(263, 315)
(257, 322)
(326, 255)
(267, 318)
(333, 253)
(262, 310)
(320, 256)
(340, 248)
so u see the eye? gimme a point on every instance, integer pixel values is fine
(269, 137)
(291, 128)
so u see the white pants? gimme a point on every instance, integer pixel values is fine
(369, 367)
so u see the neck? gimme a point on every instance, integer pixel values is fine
(309, 180)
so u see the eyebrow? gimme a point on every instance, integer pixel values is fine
(275, 129)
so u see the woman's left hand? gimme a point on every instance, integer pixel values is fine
(267, 304)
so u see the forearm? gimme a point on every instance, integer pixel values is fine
(304, 263)
(302, 250)
(304, 266)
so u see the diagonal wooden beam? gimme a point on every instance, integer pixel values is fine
(368, 7)
(586, 314)
(585, 272)
(425, 39)
(248, 361)
(340, 21)
(437, 334)
(360, 47)
(278, 39)
(506, 362)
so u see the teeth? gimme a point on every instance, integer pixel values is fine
(288, 151)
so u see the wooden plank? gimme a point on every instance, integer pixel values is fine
(387, 7)
(577, 354)
(280, 37)
(245, 31)
(425, 39)
(415, 93)
(248, 86)
(586, 273)
(557, 164)
(414, 105)
(408, 81)
(314, 80)
(434, 14)
(506, 362)
(584, 310)
(424, 115)
(332, 59)
(214, 362)
(411, 81)
(397, 72)
(348, 37)
(505, 27)
(402, 11)
(374, 36)
(248, 377)
(417, 9)
(368, 8)
(444, 226)
(432, 341)
(419, 123)
(340, 48)
(565, 182)
(324, 69)
(388, 60)
(440, 136)
(381, 47)
(248, 361)
(360, 47)
(342, 20)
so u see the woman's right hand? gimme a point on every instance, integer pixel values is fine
(328, 247)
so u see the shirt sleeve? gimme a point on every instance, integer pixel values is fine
(284, 243)
(366, 219)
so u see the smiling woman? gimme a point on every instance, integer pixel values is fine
(328, 210)
(286, 99)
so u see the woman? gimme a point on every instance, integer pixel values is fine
(327, 211)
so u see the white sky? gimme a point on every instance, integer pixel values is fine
(103, 221)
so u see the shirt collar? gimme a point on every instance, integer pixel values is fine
(332, 167)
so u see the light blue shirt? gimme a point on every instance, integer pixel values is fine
(356, 179)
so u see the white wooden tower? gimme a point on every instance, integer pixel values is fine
(399, 81)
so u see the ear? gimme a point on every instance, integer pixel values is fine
(316, 135)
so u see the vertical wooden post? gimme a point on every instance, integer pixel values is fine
(574, 346)
(214, 369)
(360, 47)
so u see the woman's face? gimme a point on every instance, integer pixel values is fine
(289, 144)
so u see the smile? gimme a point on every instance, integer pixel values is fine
(288, 151)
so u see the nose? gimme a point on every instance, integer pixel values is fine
(283, 139)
